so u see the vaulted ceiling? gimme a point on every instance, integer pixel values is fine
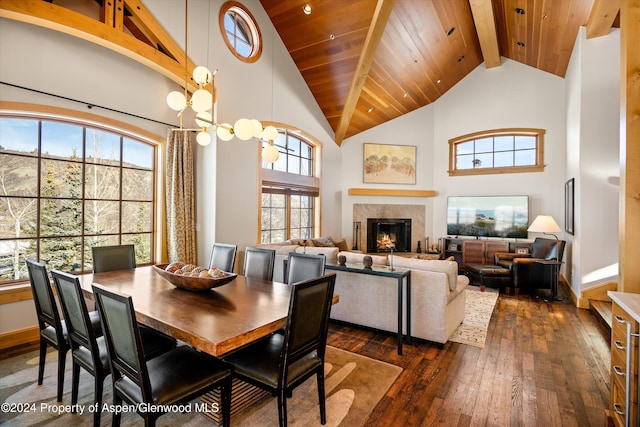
(369, 61)
(365, 61)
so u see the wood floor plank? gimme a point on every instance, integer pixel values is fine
(543, 364)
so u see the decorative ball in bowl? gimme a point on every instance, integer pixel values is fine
(193, 278)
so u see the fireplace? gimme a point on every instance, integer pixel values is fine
(383, 234)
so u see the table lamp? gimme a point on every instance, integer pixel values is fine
(545, 224)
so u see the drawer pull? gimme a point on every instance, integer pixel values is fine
(618, 370)
(620, 319)
(619, 345)
(618, 408)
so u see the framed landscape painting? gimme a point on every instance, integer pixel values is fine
(389, 164)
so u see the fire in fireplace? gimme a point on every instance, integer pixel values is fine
(385, 234)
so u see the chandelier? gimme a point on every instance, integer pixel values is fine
(202, 103)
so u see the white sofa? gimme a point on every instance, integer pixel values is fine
(437, 297)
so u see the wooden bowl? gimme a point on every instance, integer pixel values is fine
(193, 283)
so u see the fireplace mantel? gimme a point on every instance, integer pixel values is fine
(390, 192)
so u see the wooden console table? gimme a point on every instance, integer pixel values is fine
(401, 274)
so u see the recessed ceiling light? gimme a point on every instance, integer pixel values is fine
(370, 110)
(520, 44)
(519, 11)
(438, 81)
(306, 9)
(331, 37)
(404, 95)
(451, 30)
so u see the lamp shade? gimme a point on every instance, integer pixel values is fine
(544, 224)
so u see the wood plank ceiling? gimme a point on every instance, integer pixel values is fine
(365, 61)
(369, 61)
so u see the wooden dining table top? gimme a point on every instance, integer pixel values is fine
(217, 321)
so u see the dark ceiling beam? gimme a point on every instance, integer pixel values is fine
(378, 24)
(603, 13)
(482, 11)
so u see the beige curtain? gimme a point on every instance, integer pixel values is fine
(181, 225)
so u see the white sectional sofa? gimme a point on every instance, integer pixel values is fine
(437, 297)
(437, 292)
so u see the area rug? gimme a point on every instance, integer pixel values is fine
(354, 385)
(478, 308)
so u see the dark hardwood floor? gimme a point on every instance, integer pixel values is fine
(544, 364)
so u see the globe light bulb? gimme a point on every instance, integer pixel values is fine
(176, 100)
(202, 100)
(201, 75)
(203, 138)
(270, 153)
(204, 119)
(224, 132)
(244, 129)
(257, 131)
(270, 133)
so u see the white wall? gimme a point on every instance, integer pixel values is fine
(593, 87)
(415, 128)
(512, 95)
(226, 172)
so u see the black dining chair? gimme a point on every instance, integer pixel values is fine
(281, 362)
(109, 258)
(88, 350)
(259, 263)
(172, 378)
(223, 256)
(53, 329)
(301, 267)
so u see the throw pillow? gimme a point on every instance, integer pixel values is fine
(342, 245)
(323, 242)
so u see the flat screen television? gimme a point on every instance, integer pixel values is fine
(488, 216)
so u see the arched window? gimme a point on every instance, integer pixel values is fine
(497, 151)
(67, 186)
(240, 31)
(290, 190)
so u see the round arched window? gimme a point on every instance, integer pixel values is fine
(240, 31)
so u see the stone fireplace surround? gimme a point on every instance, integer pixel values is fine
(416, 212)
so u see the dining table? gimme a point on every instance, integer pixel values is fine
(215, 321)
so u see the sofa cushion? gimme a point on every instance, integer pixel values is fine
(331, 253)
(448, 267)
(281, 249)
(356, 258)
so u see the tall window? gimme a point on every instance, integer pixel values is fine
(66, 187)
(497, 151)
(289, 191)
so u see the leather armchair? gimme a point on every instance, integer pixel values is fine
(526, 272)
